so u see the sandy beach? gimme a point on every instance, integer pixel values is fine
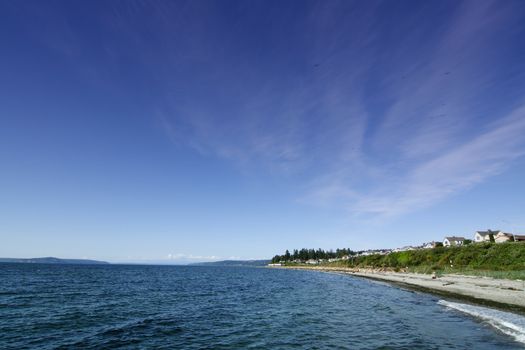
(502, 292)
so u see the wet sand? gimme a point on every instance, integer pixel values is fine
(486, 290)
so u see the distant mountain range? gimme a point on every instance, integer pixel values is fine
(235, 263)
(51, 260)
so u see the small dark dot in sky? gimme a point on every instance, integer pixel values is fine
(447, 73)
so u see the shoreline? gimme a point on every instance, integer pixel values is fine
(500, 293)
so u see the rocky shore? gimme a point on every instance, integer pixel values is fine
(485, 290)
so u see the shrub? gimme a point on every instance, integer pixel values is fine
(508, 256)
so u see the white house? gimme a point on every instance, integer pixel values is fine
(503, 237)
(402, 249)
(429, 245)
(449, 241)
(484, 236)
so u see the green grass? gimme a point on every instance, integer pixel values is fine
(504, 260)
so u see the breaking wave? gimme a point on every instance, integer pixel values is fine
(507, 322)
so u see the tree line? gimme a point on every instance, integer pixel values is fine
(307, 254)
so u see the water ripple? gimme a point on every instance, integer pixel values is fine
(161, 307)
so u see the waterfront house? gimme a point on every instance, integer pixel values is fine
(402, 249)
(428, 245)
(503, 237)
(453, 240)
(484, 236)
(519, 238)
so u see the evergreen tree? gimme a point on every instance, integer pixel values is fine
(491, 237)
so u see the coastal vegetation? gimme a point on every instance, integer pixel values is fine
(504, 260)
(484, 256)
(311, 254)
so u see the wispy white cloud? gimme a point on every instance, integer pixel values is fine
(181, 256)
(191, 258)
(420, 133)
(469, 164)
(379, 117)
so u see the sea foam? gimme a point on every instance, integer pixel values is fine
(506, 322)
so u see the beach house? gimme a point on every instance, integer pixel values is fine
(453, 240)
(484, 236)
(503, 237)
(428, 245)
(519, 238)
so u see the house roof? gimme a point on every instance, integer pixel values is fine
(519, 237)
(454, 238)
(488, 232)
(505, 234)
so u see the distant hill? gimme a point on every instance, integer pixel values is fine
(51, 260)
(235, 263)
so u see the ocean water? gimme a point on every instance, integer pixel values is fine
(197, 307)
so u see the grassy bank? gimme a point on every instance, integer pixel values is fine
(505, 260)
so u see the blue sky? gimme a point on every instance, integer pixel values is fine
(185, 131)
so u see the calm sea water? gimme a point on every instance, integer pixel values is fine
(170, 307)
